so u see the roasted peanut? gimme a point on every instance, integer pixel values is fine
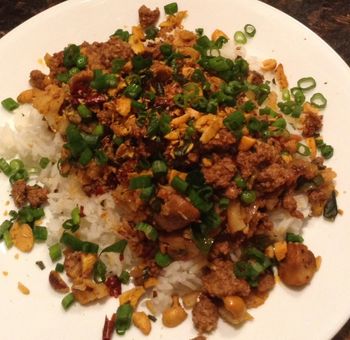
(190, 299)
(236, 306)
(142, 322)
(268, 64)
(22, 237)
(174, 315)
(132, 296)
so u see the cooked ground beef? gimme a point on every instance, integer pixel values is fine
(19, 192)
(205, 315)
(312, 124)
(176, 212)
(39, 79)
(220, 281)
(221, 172)
(274, 177)
(223, 141)
(36, 195)
(147, 17)
(250, 162)
(178, 246)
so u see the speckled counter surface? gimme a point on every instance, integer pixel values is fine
(330, 19)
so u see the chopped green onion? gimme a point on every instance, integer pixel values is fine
(9, 104)
(85, 156)
(171, 8)
(285, 95)
(55, 252)
(290, 237)
(84, 111)
(124, 277)
(7, 239)
(150, 232)
(73, 71)
(331, 208)
(147, 193)
(327, 151)
(223, 203)
(133, 91)
(280, 123)
(117, 247)
(123, 318)
(307, 83)
(82, 62)
(5, 167)
(101, 157)
(248, 196)
(179, 184)
(249, 30)
(240, 38)
(121, 34)
(98, 130)
(151, 32)
(199, 202)
(140, 182)
(240, 182)
(303, 150)
(234, 121)
(219, 64)
(75, 214)
(20, 174)
(159, 168)
(298, 95)
(28, 214)
(68, 300)
(63, 77)
(6, 225)
(76, 244)
(59, 268)
(139, 63)
(318, 100)
(117, 65)
(40, 233)
(44, 162)
(162, 260)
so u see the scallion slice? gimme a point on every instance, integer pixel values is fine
(159, 168)
(9, 104)
(249, 30)
(67, 301)
(307, 83)
(179, 184)
(123, 318)
(150, 232)
(163, 260)
(40, 233)
(171, 8)
(140, 182)
(290, 237)
(303, 150)
(55, 252)
(318, 100)
(240, 38)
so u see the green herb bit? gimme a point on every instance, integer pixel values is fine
(150, 232)
(163, 260)
(117, 247)
(55, 252)
(44, 162)
(6, 225)
(82, 62)
(298, 95)
(59, 268)
(280, 123)
(67, 301)
(171, 8)
(99, 271)
(234, 121)
(63, 77)
(133, 91)
(151, 32)
(5, 167)
(224, 203)
(250, 30)
(117, 65)
(123, 318)
(240, 182)
(307, 83)
(9, 104)
(86, 156)
(74, 70)
(240, 38)
(40, 233)
(291, 237)
(70, 55)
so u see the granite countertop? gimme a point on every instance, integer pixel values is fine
(329, 19)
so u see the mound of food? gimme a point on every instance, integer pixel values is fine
(164, 162)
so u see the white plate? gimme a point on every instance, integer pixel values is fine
(316, 312)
